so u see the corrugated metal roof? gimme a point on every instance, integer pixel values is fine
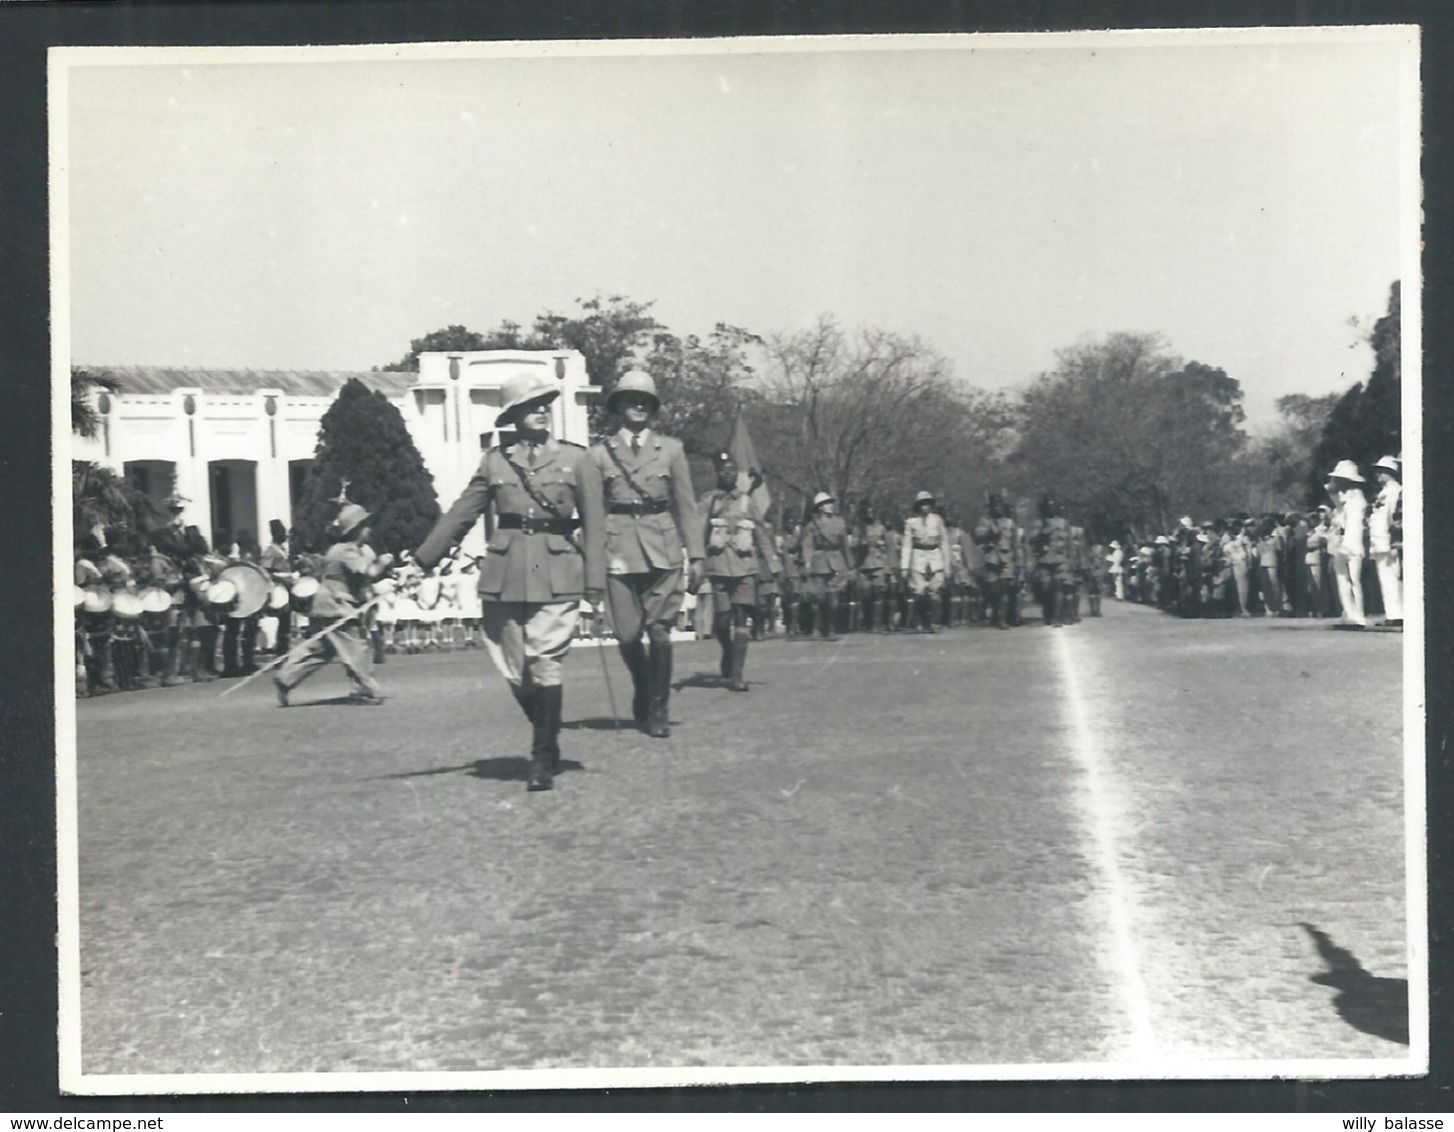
(239, 382)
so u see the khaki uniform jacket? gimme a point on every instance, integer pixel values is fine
(926, 544)
(824, 545)
(999, 544)
(734, 535)
(343, 584)
(645, 543)
(876, 544)
(530, 566)
(1051, 541)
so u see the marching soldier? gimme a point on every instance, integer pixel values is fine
(877, 561)
(826, 551)
(348, 570)
(1051, 545)
(545, 555)
(792, 561)
(738, 553)
(924, 559)
(962, 562)
(1079, 567)
(998, 537)
(279, 565)
(651, 515)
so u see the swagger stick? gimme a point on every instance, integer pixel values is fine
(359, 612)
(605, 667)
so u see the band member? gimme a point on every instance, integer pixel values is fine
(998, 537)
(925, 559)
(1050, 543)
(738, 553)
(343, 589)
(1385, 538)
(279, 565)
(651, 515)
(961, 574)
(876, 545)
(547, 552)
(826, 551)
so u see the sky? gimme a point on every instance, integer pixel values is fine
(1001, 198)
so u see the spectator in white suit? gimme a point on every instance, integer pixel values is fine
(1385, 538)
(1350, 523)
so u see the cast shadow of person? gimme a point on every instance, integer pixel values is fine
(508, 768)
(1367, 1002)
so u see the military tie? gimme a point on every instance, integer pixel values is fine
(635, 444)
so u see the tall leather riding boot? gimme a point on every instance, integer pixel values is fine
(855, 614)
(722, 631)
(541, 771)
(206, 642)
(741, 638)
(524, 696)
(634, 654)
(829, 610)
(549, 699)
(658, 724)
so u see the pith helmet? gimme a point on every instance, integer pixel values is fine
(821, 498)
(922, 497)
(350, 517)
(523, 389)
(1347, 470)
(636, 381)
(1390, 464)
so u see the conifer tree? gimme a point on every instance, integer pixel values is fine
(362, 439)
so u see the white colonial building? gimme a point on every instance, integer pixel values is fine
(237, 444)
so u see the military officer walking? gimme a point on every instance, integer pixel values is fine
(738, 552)
(1051, 544)
(545, 554)
(651, 515)
(827, 554)
(925, 559)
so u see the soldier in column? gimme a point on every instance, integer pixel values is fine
(276, 560)
(924, 559)
(998, 541)
(1079, 564)
(651, 525)
(962, 569)
(738, 551)
(1050, 544)
(792, 577)
(827, 553)
(872, 542)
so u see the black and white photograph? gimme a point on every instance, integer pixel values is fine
(599, 564)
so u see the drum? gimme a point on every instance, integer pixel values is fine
(154, 599)
(80, 596)
(126, 605)
(221, 598)
(278, 598)
(302, 593)
(250, 585)
(96, 601)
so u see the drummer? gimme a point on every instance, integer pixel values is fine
(163, 624)
(277, 562)
(239, 634)
(94, 630)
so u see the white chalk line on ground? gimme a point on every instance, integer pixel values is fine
(1100, 817)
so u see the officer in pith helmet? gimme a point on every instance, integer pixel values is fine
(827, 553)
(547, 553)
(738, 553)
(349, 568)
(925, 559)
(651, 526)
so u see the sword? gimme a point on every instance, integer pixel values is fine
(357, 613)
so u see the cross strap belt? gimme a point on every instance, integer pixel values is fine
(535, 524)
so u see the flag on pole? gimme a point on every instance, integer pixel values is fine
(744, 455)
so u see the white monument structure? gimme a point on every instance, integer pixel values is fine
(237, 444)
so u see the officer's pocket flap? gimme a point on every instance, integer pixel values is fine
(559, 544)
(500, 541)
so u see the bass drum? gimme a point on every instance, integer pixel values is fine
(250, 584)
(278, 598)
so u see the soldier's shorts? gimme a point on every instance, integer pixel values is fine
(874, 584)
(730, 591)
(822, 585)
(1057, 573)
(529, 638)
(923, 583)
(638, 601)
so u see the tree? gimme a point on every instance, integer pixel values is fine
(100, 497)
(610, 331)
(702, 384)
(1127, 437)
(362, 439)
(868, 416)
(1367, 421)
(1280, 464)
(451, 338)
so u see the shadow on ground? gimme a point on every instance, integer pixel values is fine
(514, 769)
(1365, 1001)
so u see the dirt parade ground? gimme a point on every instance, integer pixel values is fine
(1136, 837)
